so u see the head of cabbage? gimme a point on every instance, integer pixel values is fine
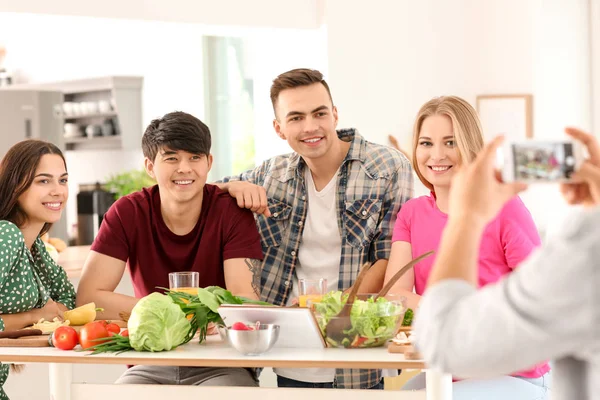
(157, 324)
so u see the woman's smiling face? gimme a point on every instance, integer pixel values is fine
(437, 155)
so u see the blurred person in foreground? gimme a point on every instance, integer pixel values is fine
(547, 309)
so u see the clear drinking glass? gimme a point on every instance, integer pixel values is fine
(311, 289)
(187, 282)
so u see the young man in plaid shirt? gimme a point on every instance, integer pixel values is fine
(323, 210)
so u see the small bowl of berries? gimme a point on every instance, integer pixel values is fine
(250, 339)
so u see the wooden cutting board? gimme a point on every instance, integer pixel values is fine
(26, 341)
(409, 351)
(40, 340)
(394, 347)
(397, 348)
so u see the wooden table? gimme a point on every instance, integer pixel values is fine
(218, 354)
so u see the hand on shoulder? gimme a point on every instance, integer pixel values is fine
(250, 196)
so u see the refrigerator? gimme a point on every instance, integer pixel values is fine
(33, 114)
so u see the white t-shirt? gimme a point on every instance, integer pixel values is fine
(318, 257)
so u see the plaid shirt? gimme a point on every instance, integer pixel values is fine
(373, 182)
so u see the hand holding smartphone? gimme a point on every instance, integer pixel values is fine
(534, 161)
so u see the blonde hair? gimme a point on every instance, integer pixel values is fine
(465, 125)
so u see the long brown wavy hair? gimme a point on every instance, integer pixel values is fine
(17, 170)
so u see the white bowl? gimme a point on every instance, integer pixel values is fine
(71, 130)
(104, 106)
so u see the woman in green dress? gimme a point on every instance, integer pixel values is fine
(33, 193)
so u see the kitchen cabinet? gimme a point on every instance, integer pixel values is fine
(100, 113)
(29, 114)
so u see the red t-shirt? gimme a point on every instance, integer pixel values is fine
(134, 231)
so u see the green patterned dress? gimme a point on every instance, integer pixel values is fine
(28, 279)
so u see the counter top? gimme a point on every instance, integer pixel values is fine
(72, 259)
(216, 353)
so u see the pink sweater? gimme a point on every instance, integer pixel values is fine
(507, 241)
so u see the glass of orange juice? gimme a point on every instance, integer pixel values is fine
(311, 289)
(186, 282)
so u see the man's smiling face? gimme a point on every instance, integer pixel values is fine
(306, 119)
(180, 175)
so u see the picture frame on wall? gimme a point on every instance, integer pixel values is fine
(507, 114)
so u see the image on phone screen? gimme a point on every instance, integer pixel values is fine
(543, 161)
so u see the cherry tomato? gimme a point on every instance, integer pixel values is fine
(112, 327)
(64, 338)
(90, 332)
(125, 333)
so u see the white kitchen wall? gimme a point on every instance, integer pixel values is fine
(595, 64)
(384, 65)
(562, 82)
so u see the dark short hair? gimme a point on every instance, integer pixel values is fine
(296, 78)
(17, 171)
(176, 131)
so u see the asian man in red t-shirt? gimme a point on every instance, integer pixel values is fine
(180, 224)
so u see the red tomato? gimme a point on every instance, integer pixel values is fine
(125, 333)
(90, 332)
(64, 338)
(112, 327)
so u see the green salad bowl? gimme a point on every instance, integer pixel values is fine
(372, 322)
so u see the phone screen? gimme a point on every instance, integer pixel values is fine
(543, 161)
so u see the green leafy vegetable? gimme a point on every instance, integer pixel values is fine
(162, 322)
(408, 317)
(202, 309)
(117, 343)
(373, 321)
(157, 323)
(209, 299)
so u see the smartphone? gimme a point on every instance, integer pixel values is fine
(534, 161)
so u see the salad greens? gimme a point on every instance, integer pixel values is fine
(373, 321)
(408, 317)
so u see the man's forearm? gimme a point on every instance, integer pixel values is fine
(459, 251)
(112, 303)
